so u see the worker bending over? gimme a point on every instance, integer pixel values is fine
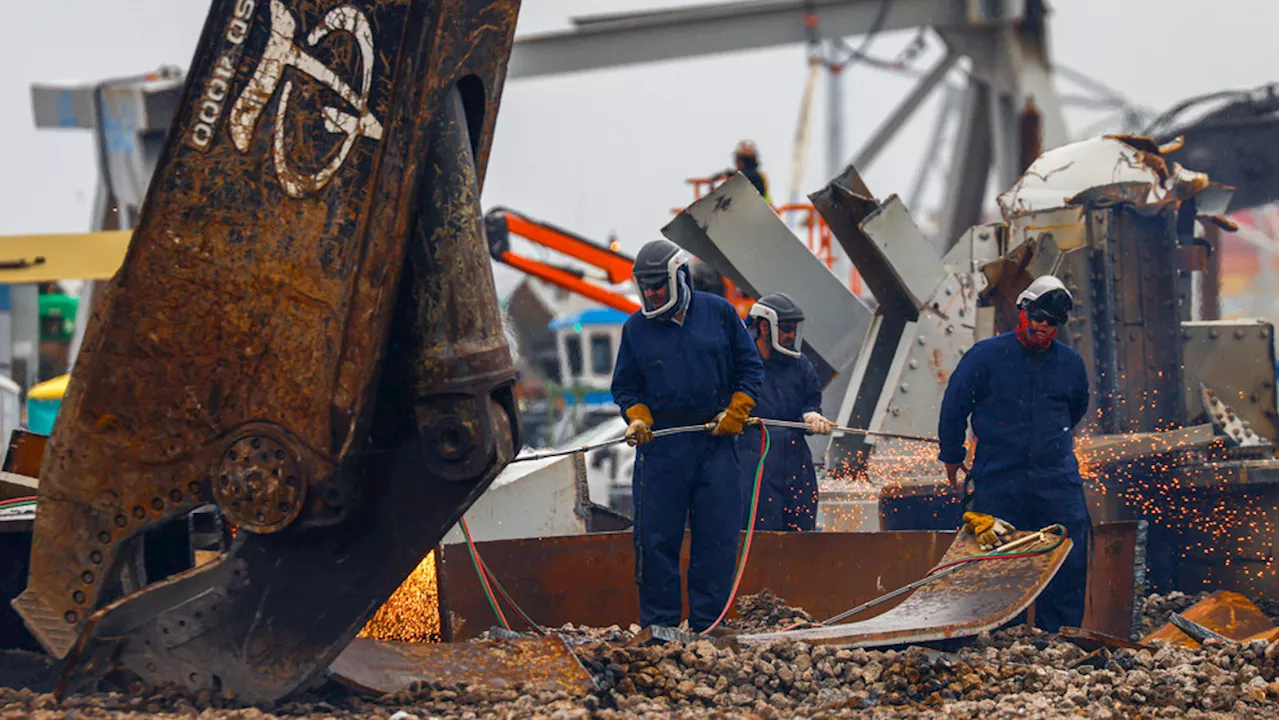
(1023, 392)
(790, 391)
(685, 359)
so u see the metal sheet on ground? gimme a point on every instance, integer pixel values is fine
(980, 596)
(538, 664)
(1091, 640)
(1227, 613)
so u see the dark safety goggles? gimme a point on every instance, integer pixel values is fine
(1043, 317)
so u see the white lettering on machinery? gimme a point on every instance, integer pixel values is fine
(218, 86)
(282, 51)
(238, 29)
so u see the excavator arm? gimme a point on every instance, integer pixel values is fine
(501, 223)
(304, 333)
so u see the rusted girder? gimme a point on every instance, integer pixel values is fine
(316, 210)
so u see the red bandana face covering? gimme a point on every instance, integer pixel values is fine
(1037, 343)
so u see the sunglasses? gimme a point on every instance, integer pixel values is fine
(1042, 318)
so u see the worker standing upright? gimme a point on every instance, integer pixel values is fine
(1024, 392)
(788, 498)
(685, 359)
(746, 160)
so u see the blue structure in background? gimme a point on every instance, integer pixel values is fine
(587, 346)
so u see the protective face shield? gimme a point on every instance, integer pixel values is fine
(1046, 299)
(784, 322)
(661, 274)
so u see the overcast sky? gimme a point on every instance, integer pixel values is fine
(609, 150)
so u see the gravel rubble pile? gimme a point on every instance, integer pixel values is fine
(1016, 673)
(765, 611)
(1157, 609)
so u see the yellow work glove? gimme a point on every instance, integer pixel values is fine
(988, 529)
(818, 425)
(730, 420)
(640, 431)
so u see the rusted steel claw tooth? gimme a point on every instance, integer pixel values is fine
(304, 332)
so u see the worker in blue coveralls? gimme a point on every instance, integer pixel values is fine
(1024, 392)
(685, 359)
(788, 487)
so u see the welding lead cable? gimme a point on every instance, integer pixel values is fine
(751, 530)
(484, 582)
(503, 592)
(1004, 552)
(488, 576)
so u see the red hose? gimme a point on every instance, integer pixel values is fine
(484, 581)
(982, 557)
(751, 528)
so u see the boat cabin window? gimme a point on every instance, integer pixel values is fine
(601, 355)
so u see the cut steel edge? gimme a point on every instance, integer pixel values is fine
(379, 667)
(818, 636)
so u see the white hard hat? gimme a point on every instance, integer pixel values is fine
(1048, 295)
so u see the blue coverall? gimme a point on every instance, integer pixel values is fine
(1023, 406)
(686, 374)
(789, 489)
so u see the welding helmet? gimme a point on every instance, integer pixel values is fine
(1046, 299)
(661, 263)
(781, 313)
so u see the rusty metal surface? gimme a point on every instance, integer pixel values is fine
(660, 634)
(979, 596)
(14, 486)
(590, 580)
(1237, 359)
(1090, 640)
(319, 150)
(543, 664)
(1226, 613)
(26, 450)
(1111, 591)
